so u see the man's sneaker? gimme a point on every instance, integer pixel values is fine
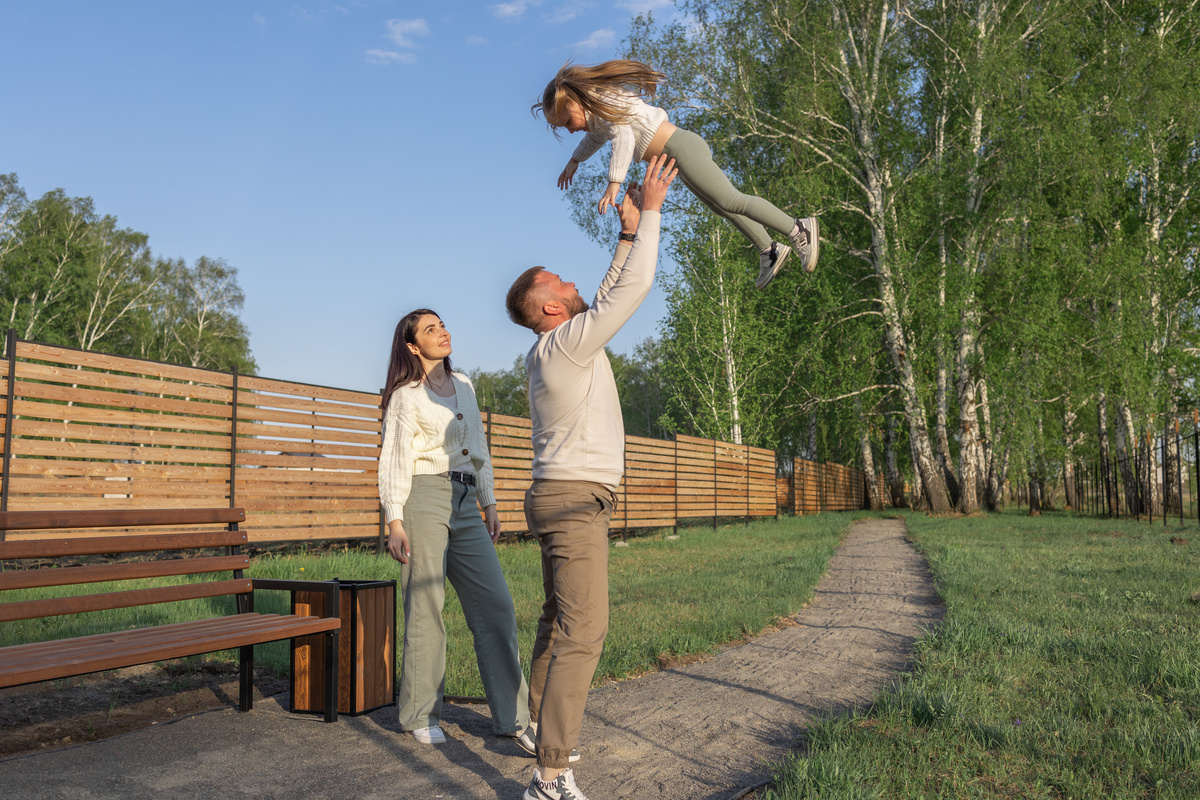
(433, 735)
(770, 262)
(561, 788)
(807, 242)
(527, 740)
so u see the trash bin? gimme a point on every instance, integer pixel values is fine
(366, 649)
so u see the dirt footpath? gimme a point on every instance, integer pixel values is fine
(706, 730)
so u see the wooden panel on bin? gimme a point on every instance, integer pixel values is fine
(366, 651)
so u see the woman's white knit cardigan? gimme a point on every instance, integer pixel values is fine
(424, 437)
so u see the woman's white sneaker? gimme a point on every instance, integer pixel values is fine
(431, 735)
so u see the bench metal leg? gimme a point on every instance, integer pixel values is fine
(331, 676)
(246, 678)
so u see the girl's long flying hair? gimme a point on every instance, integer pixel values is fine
(592, 88)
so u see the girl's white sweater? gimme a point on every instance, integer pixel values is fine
(424, 437)
(629, 139)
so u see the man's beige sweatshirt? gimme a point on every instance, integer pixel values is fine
(578, 433)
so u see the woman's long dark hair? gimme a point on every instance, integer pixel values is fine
(403, 367)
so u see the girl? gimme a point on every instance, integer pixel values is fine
(434, 475)
(606, 101)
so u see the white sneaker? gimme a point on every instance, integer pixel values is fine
(527, 740)
(561, 788)
(807, 242)
(770, 262)
(432, 735)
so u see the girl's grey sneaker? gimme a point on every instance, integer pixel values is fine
(432, 735)
(807, 242)
(527, 740)
(561, 788)
(770, 262)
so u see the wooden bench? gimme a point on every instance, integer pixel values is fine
(40, 661)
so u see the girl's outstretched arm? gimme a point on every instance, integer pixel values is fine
(609, 198)
(568, 174)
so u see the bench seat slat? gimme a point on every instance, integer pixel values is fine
(23, 656)
(127, 649)
(135, 543)
(52, 607)
(117, 518)
(71, 576)
(128, 637)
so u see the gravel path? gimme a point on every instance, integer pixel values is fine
(706, 730)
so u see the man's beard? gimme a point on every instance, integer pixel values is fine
(577, 306)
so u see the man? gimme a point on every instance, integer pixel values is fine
(578, 460)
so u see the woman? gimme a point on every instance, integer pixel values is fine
(606, 101)
(434, 475)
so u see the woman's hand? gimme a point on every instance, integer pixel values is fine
(609, 198)
(397, 543)
(491, 521)
(568, 174)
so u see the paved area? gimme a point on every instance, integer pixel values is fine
(707, 730)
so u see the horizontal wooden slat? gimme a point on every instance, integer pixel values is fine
(254, 383)
(32, 609)
(120, 400)
(39, 520)
(55, 546)
(290, 403)
(62, 355)
(121, 436)
(39, 662)
(101, 573)
(265, 431)
(124, 383)
(109, 416)
(312, 534)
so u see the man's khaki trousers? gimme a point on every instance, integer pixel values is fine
(570, 520)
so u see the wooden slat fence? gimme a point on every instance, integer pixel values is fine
(814, 487)
(85, 430)
(90, 430)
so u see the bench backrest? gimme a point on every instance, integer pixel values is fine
(231, 539)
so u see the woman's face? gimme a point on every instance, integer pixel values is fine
(576, 117)
(432, 340)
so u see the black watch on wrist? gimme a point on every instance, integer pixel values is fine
(627, 237)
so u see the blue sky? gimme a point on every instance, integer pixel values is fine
(352, 160)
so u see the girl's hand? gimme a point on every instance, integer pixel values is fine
(609, 198)
(568, 174)
(397, 542)
(491, 521)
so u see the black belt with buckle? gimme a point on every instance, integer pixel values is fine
(463, 477)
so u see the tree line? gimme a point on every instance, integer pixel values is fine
(1008, 198)
(71, 276)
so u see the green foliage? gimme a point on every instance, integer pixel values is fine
(670, 597)
(1066, 666)
(503, 391)
(72, 277)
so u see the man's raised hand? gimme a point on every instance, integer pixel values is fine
(659, 174)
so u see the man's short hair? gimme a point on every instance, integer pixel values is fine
(521, 301)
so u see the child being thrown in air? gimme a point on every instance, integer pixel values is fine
(606, 101)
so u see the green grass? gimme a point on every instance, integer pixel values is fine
(669, 598)
(1067, 666)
